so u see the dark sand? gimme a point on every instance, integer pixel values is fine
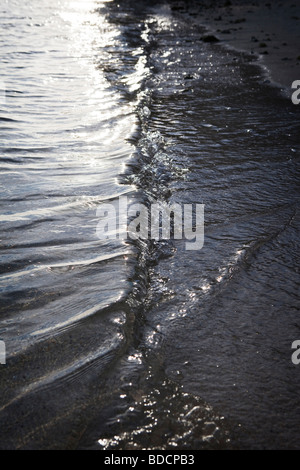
(270, 30)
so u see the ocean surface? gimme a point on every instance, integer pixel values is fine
(115, 343)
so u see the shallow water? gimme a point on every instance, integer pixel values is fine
(120, 344)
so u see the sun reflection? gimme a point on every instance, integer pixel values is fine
(80, 83)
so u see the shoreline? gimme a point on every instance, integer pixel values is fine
(269, 31)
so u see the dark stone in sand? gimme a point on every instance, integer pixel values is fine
(177, 8)
(239, 20)
(210, 38)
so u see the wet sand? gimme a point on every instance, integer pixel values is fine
(269, 30)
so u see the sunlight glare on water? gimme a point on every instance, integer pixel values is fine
(63, 145)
